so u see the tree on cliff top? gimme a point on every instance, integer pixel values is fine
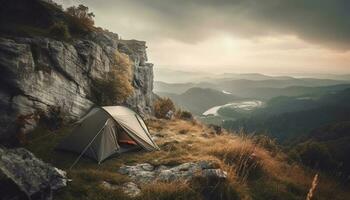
(82, 20)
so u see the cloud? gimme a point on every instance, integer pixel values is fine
(324, 22)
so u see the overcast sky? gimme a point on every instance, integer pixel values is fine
(266, 36)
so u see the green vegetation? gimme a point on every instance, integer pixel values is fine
(183, 114)
(59, 31)
(313, 154)
(288, 118)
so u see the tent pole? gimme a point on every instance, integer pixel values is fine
(147, 132)
(87, 146)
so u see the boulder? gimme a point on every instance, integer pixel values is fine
(32, 176)
(129, 188)
(214, 173)
(146, 173)
(142, 173)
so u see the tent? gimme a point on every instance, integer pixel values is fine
(105, 131)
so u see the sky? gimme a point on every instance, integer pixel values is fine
(237, 36)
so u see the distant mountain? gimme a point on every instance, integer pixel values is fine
(272, 83)
(177, 76)
(262, 89)
(248, 76)
(169, 75)
(332, 76)
(177, 88)
(198, 100)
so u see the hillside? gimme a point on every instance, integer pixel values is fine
(198, 100)
(287, 118)
(255, 170)
(259, 89)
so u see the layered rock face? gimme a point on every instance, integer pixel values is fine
(41, 72)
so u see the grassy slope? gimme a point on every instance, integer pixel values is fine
(254, 172)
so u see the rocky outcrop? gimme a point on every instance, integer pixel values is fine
(146, 173)
(32, 176)
(129, 188)
(41, 72)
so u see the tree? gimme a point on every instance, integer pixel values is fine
(82, 19)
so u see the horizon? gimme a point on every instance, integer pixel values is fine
(165, 74)
(234, 36)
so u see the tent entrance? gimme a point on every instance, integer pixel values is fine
(125, 142)
(123, 138)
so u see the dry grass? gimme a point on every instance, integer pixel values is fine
(254, 172)
(169, 191)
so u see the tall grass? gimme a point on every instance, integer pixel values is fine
(312, 188)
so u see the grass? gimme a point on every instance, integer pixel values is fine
(254, 172)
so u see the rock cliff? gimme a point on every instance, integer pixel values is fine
(38, 72)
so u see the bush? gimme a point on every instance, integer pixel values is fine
(162, 106)
(267, 143)
(53, 118)
(82, 20)
(313, 154)
(59, 30)
(183, 114)
(117, 86)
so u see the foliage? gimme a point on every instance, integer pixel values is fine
(82, 20)
(162, 106)
(313, 154)
(53, 118)
(169, 191)
(183, 114)
(267, 143)
(59, 30)
(287, 118)
(117, 86)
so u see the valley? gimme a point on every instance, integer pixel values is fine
(174, 100)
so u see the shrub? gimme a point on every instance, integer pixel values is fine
(59, 30)
(175, 190)
(267, 143)
(117, 86)
(215, 189)
(243, 157)
(82, 20)
(313, 154)
(53, 118)
(162, 106)
(183, 114)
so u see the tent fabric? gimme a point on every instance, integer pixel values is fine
(130, 121)
(101, 132)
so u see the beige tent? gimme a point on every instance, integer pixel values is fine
(108, 130)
